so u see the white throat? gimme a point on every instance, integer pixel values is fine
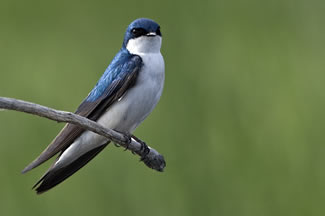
(144, 44)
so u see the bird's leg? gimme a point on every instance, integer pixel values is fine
(128, 141)
(144, 150)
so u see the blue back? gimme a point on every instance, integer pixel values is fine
(122, 64)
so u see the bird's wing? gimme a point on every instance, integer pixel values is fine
(117, 79)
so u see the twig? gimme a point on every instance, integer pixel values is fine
(153, 159)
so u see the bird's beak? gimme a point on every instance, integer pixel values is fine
(151, 34)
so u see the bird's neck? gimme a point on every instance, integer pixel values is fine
(144, 45)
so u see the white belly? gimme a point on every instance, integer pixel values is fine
(127, 113)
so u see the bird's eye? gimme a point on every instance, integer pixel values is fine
(137, 32)
(158, 31)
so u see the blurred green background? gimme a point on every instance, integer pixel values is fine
(240, 122)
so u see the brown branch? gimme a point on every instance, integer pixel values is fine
(153, 159)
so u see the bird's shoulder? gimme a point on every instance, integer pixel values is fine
(121, 66)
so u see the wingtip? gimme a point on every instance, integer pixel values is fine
(25, 170)
(28, 168)
(38, 161)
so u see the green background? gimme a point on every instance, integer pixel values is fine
(240, 122)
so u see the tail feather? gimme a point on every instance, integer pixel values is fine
(55, 176)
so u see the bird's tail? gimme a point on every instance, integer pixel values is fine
(55, 176)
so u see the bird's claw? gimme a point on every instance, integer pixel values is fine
(144, 151)
(128, 141)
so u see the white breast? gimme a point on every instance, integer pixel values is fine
(126, 114)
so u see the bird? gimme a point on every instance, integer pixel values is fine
(123, 97)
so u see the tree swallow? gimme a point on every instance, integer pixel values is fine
(123, 97)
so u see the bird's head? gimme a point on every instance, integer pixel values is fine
(142, 36)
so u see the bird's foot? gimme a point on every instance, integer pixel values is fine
(150, 157)
(128, 139)
(144, 150)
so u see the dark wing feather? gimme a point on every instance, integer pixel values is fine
(93, 109)
(55, 176)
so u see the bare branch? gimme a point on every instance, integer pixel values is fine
(153, 159)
